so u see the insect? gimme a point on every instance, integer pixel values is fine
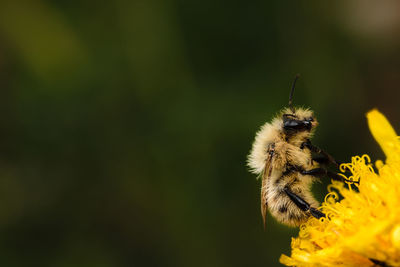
(288, 163)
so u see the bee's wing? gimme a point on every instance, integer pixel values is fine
(265, 176)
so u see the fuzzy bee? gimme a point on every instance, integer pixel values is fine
(282, 155)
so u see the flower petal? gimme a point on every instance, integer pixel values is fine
(382, 131)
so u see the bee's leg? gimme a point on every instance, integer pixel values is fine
(326, 160)
(320, 159)
(335, 176)
(302, 204)
(321, 152)
(320, 172)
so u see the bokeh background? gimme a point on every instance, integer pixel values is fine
(125, 125)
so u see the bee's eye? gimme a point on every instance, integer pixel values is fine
(310, 119)
(296, 125)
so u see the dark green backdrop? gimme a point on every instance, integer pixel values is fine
(125, 125)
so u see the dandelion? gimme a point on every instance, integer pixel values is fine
(362, 224)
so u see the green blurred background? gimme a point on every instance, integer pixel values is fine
(125, 125)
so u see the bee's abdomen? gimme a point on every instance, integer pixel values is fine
(286, 212)
(284, 209)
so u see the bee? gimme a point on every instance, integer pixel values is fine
(288, 163)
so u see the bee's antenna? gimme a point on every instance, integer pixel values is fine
(292, 91)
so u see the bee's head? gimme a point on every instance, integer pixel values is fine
(298, 120)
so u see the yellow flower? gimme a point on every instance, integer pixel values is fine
(362, 227)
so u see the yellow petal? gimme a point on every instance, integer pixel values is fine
(396, 236)
(382, 131)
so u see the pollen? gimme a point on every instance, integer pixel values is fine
(362, 224)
